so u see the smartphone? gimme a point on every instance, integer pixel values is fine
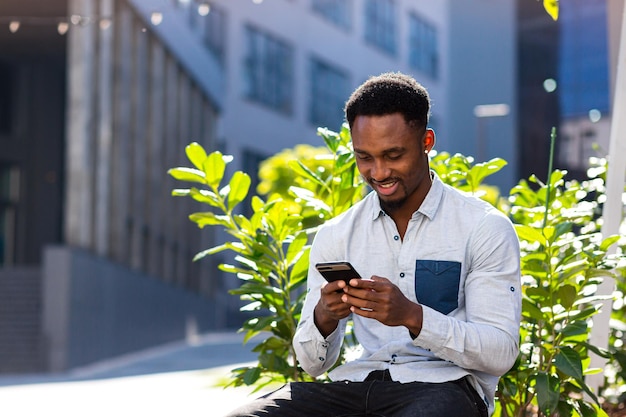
(335, 271)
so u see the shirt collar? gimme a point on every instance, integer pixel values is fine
(429, 205)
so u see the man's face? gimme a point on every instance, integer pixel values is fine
(391, 155)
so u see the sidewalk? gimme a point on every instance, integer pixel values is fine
(178, 379)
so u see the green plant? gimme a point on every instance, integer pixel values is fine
(563, 259)
(271, 245)
(460, 172)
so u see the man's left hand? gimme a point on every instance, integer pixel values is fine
(380, 299)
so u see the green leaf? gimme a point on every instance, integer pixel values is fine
(214, 167)
(568, 361)
(480, 171)
(331, 139)
(208, 218)
(567, 294)
(255, 288)
(295, 247)
(239, 187)
(547, 389)
(251, 375)
(210, 251)
(257, 204)
(300, 270)
(531, 310)
(606, 243)
(181, 192)
(300, 169)
(196, 154)
(259, 323)
(187, 174)
(574, 329)
(206, 197)
(530, 234)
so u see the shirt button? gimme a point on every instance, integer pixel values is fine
(401, 274)
(396, 237)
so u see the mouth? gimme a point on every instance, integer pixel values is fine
(385, 188)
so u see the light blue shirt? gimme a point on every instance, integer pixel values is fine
(459, 258)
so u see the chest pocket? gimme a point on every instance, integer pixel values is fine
(437, 284)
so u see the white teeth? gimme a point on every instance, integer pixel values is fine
(389, 185)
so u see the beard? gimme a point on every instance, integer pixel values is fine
(392, 205)
(389, 204)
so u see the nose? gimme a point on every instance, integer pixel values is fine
(380, 171)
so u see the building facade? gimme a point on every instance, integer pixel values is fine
(583, 84)
(100, 97)
(96, 106)
(290, 66)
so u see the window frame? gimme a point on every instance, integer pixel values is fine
(380, 22)
(268, 70)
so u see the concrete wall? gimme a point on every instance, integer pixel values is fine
(94, 309)
(21, 350)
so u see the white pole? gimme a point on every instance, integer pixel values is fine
(613, 207)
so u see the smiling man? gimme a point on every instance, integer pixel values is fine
(437, 311)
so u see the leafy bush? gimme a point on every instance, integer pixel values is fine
(271, 246)
(562, 260)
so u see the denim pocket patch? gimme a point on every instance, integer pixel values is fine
(437, 284)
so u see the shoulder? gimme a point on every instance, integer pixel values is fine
(481, 213)
(346, 222)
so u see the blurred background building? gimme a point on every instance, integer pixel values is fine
(583, 78)
(98, 98)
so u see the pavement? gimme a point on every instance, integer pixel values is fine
(178, 379)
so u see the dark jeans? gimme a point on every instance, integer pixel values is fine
(377, 396)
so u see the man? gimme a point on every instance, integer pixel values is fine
(438, 314)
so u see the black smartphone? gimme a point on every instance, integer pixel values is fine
(335, 271)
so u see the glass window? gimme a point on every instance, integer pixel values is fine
(9, 184)
(380, 24)
(423, 52)
(251, 164)
(214, 36)
(329, 91)
(6, 95)
(268, 70)
(336, 11)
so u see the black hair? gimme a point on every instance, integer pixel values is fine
(388, 93)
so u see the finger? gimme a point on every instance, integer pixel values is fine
(366, 294)
(361, 283)
(358, 302)
(331, 287)
(363, 312)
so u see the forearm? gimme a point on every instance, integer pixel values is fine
(325, 324)
(317, 353)
(477, 346)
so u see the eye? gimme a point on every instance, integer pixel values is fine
(363, 157)
(394, 156)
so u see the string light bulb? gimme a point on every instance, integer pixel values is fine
(156, 18)
(76, 19)
(204, 9)
(14, 26)
(105, 24)
(62, 28)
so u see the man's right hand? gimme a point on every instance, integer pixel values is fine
(330, 309)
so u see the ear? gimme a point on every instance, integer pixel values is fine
(429, 140)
